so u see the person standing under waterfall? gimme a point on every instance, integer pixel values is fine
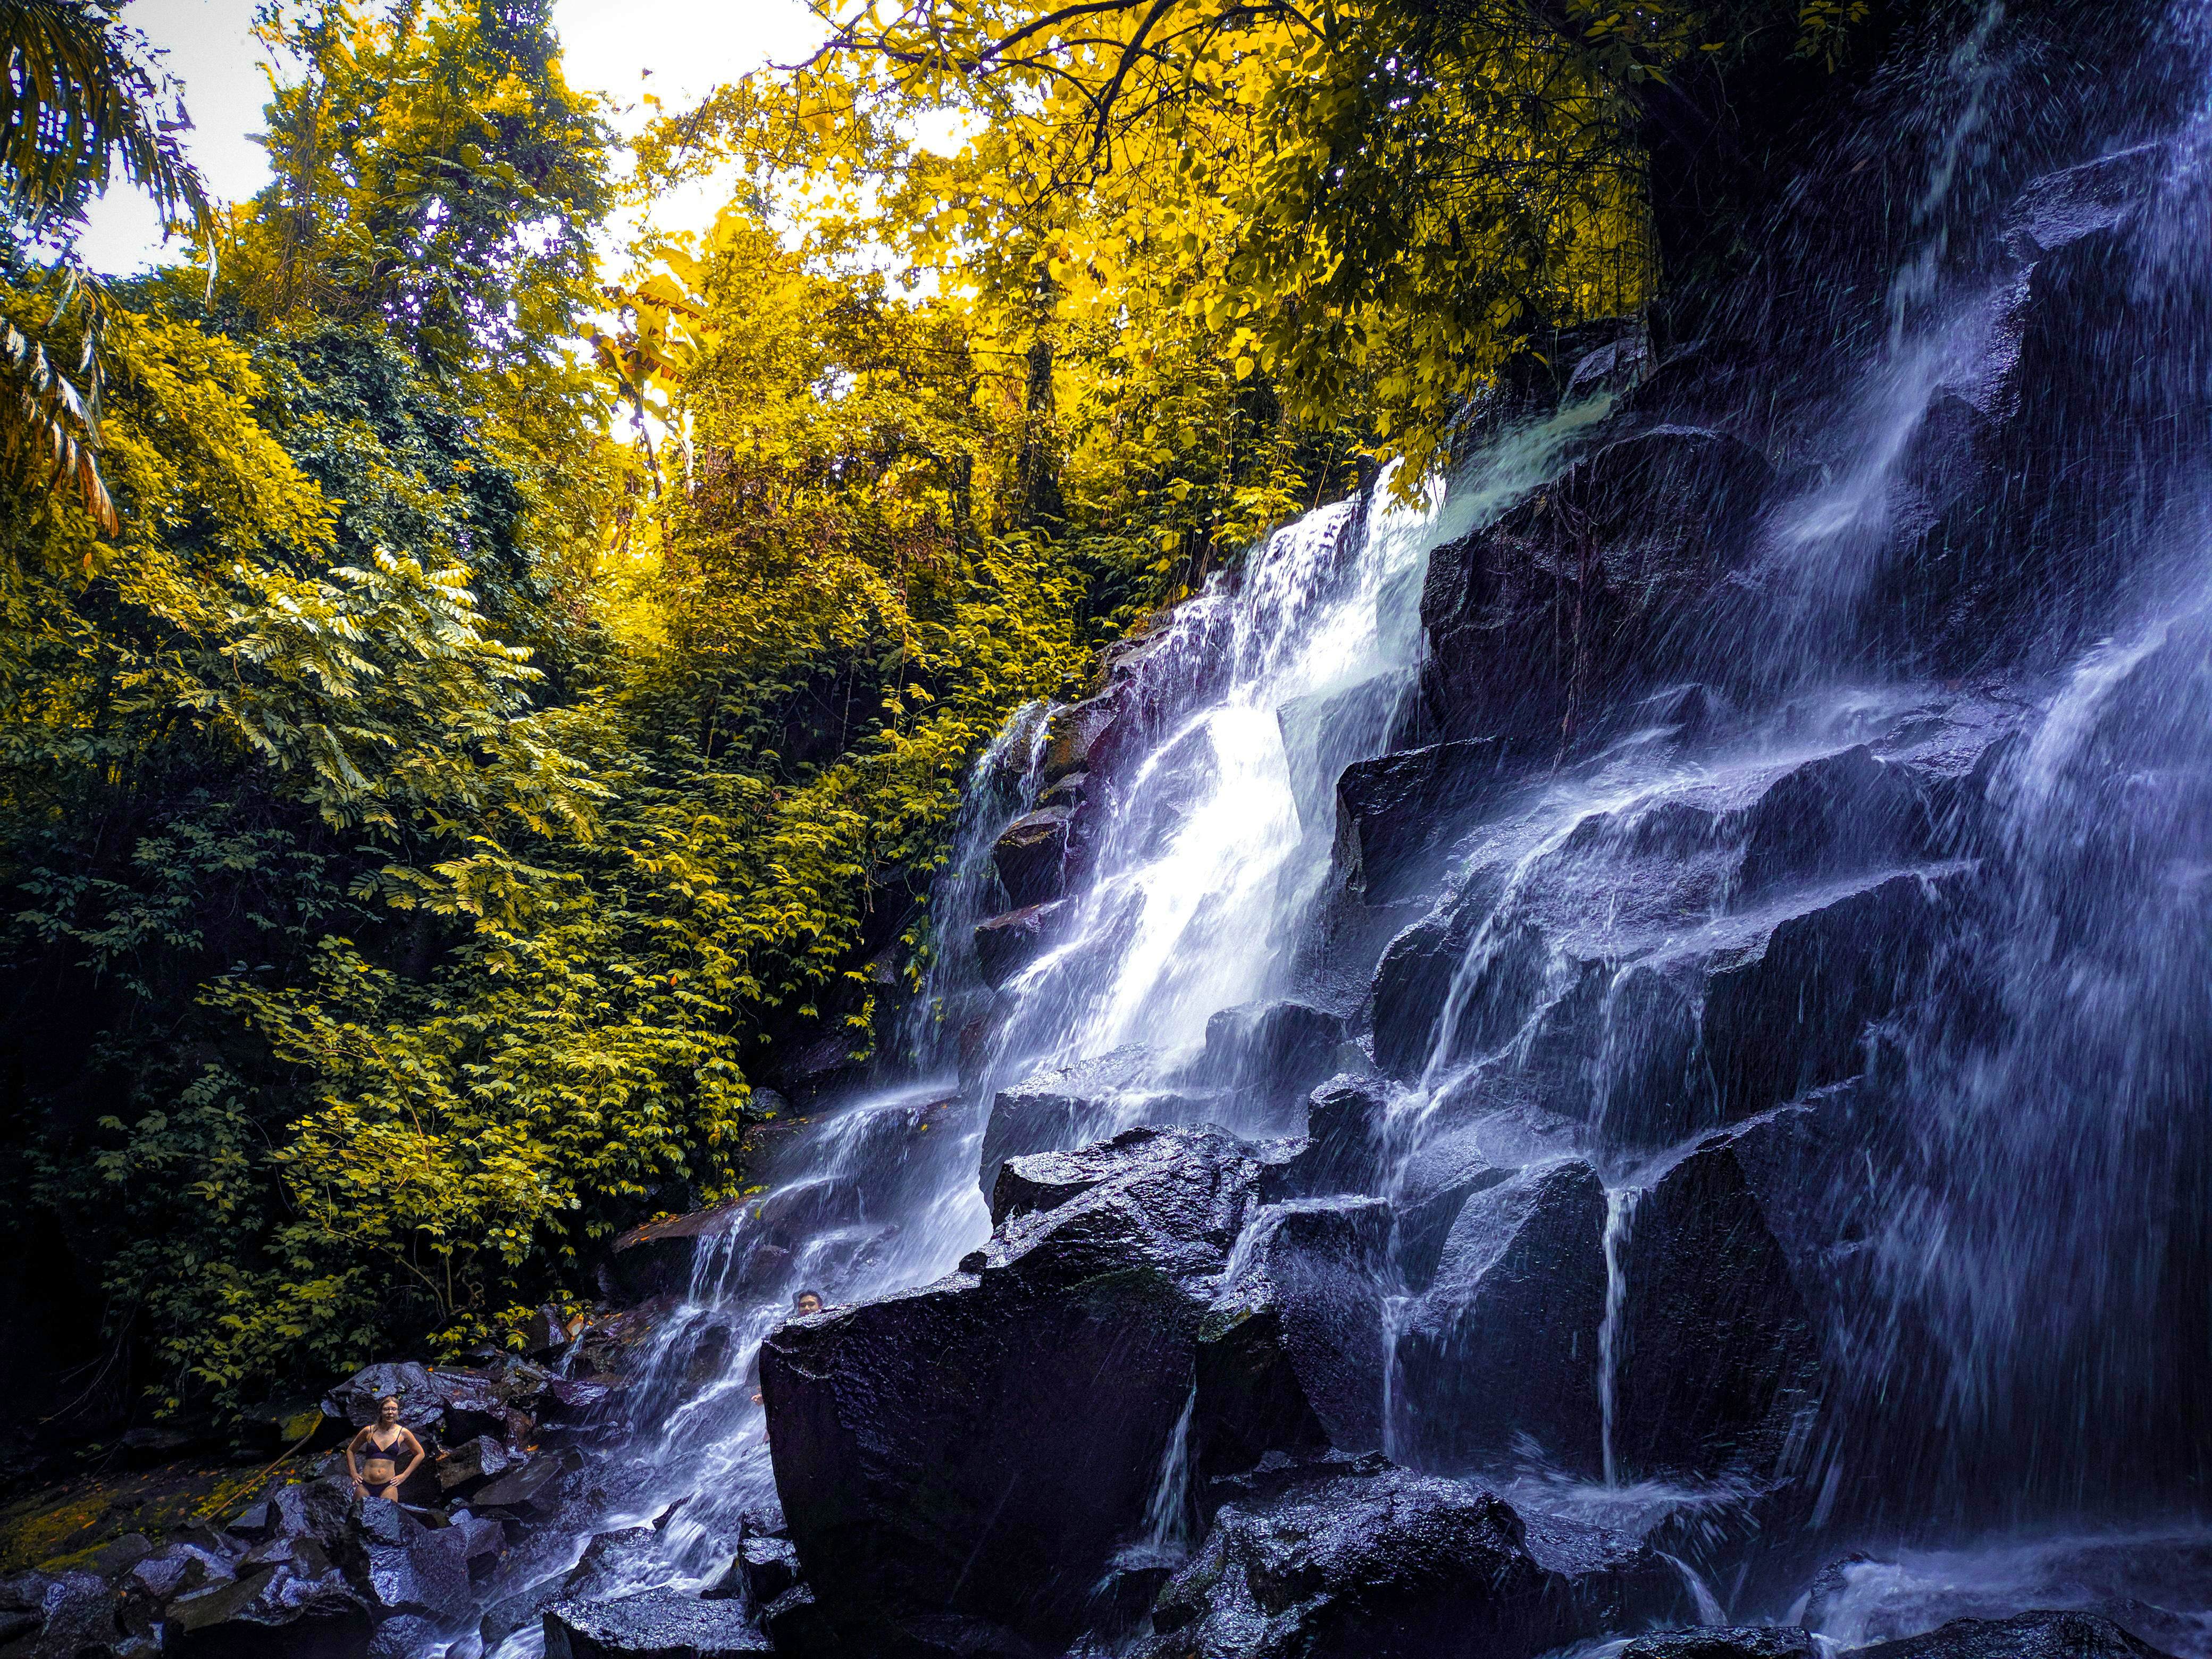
(380, 1446)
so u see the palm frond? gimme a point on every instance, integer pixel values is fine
(82, 96)
(50, 419)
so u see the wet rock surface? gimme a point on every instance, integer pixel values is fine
(1032, 855)
(1717, 1363)
(1065, 1107)
(656, 1624)
(1007, 943)
(1290, 1357)
(1360, 1558)
(657, 1258)
(1502, 1352)
(979, 1446)
(1396, 815)
(1711, 1642)
(1269, 1053)
(1601, 582)
(2026, 1635)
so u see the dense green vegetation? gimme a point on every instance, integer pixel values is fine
(465, 720)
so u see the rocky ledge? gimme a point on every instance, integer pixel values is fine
(306, 1567)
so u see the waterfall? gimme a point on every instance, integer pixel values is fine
(1849, 975)
(1002, 785)
(1619, 1220)
(1710, 1610)
(1167, 1518)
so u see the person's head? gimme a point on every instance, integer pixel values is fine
(387, 1410)
(807, 1301)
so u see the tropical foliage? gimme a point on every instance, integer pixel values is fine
(469, 718)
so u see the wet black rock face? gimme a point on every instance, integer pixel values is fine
(1599, 584)
(1343, 1558)
(1503, 1347)
(982, 1445)
(2027, 1636)
(1716, 1361)
(1717, 1642)
(656, 1624)
(1291, 1355)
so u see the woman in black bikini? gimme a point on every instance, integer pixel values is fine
(381, 1444)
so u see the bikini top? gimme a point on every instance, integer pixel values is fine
(389, 1454)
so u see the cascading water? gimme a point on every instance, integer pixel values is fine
(1195, 905)
(1620, 1217)
(1803, 1059)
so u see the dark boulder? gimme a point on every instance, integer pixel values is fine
(1123, 1598)
(796, 1623)
(2062, 208)
(1842, 812)
(269, 1614)
(1435, 1183)
(1007, 943)
(981, 1446)
(147, 1589)
(1715, 1362)
(1074, 791)
(1595, 587)
(397, 1564)
(1394, 816)
(1032, 856)
(69, 1615)
(573, 1400)
(1726, 1641)
(22, 1604)
(1086, 737)
(1790, 1014)
(119, 1556)
(1501, 1356)
(1044, 1180)
(535, 1487)
(1362, 1560)
(465, 1467)
(406, 1636)
(1612, 368)
(542, 1331)
(422, 1401)
(1291, 1357)
(764, 1568)
(1063, 1107)
(306, 1557)
(1713, 381)
(1344, 1146)
(2029, 1636)
(655, 1624)
(1271, 1051)
(1412, 982)
(314, 1508)
(484, 1541)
